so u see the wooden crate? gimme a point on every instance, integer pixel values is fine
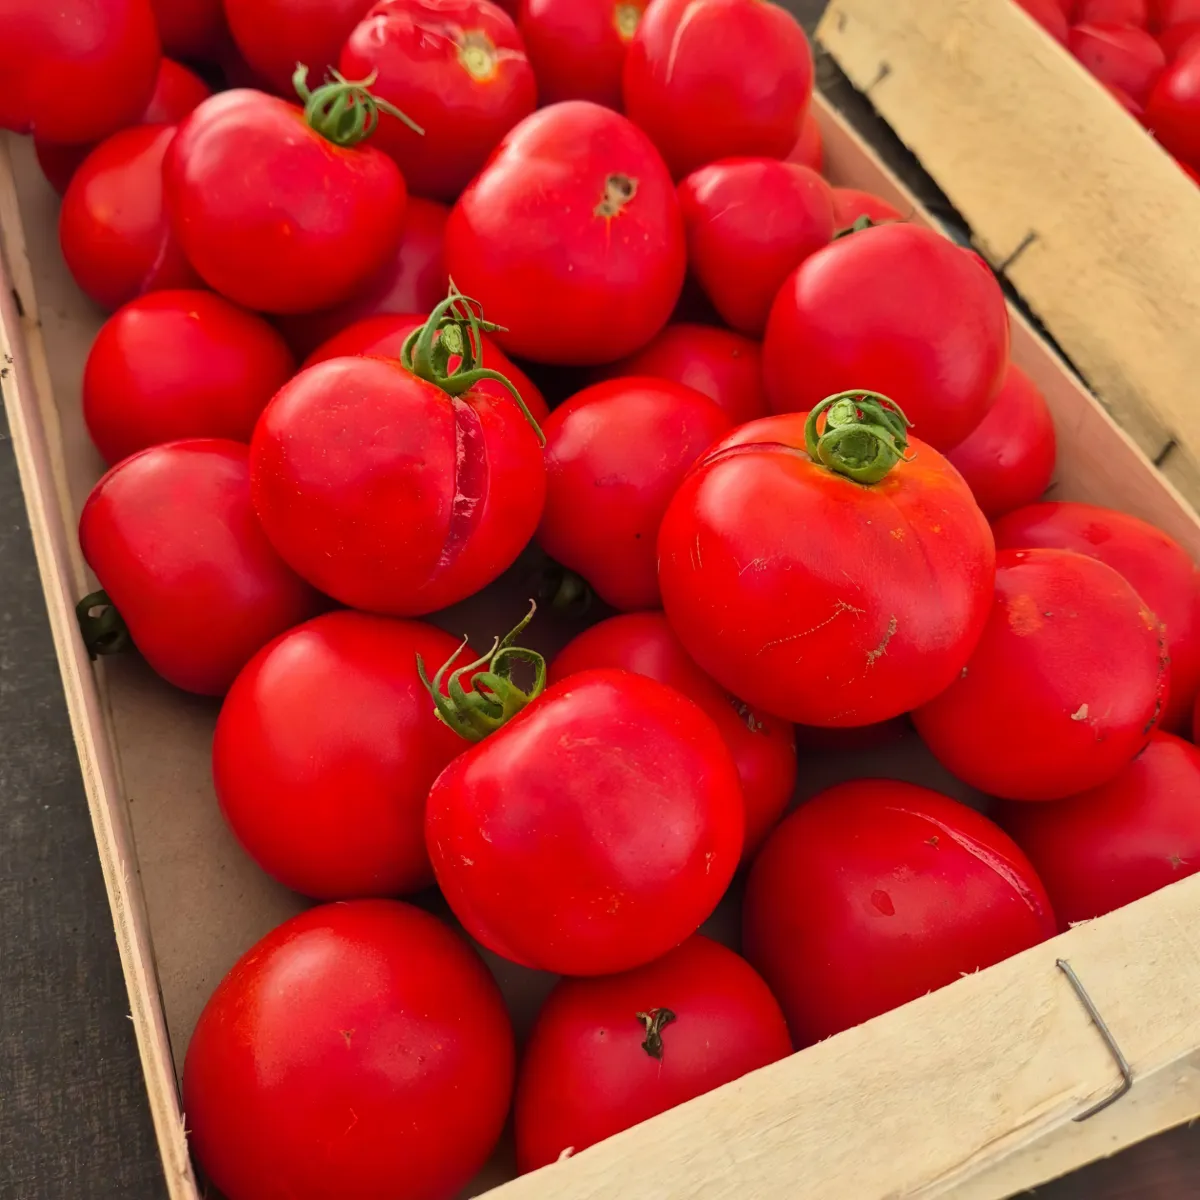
(971, 1091)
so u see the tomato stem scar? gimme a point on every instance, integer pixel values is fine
(655, 1021)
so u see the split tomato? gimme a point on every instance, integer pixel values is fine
(849, 204)
(1121, 56)
(1173, 106)
(832, 576)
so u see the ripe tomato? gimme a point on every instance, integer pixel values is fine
(360, 1049)
(619, 449)
(1122, 56)
(763, 747)
(76, 71)
(822, 598)
(749, 223)
(809, 150)
(606, 1054)
(1064, 687)
(1116, 12)
(413, 280)
(239, 180)
(191, 29)
(397, 490)
(1166, 13)
(458, 68)
(1173, 106)
(720, 364)
(876, 892)
(711, 79)
(179, 365)
(335, 808)
(935, 339)
(174, 542)
(1107, 847)
(1126, 101)
(1174, 39)
(849, 204)
(1009, 458)
(273, 36)
(578, 47)
(583, 177)
(1156, 566)
(1049, 15)
(113, 227)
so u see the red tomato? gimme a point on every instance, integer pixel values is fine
(876, 892)
(360, 1049)
(582, 177)
(1049, 15)
(540, 873)
(1166, 13)
(191, 29)
(335, 808)
(750, 222)
(711, 79)
(1122, 56)
(1173, 107)
(394, 490)
(1156, 566)
(1009, 458)
(174, 542)
(177, 92)
(606, 1054)
(849, 204)
(179, 365)
(619, 449)
(1064, 687)
(1190, 172)
(817, 597)
(1126, 101)
(1174, 39)
(720, 364)
(809, 150)
(1116, 12)
(76, 71)
(113, 227)
(1105, 848)
(239, 183)
(763, 747)
(935, 339)
(578, 47)
(414, 280)
(457, 68)
(274, 35)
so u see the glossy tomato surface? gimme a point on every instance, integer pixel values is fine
(809, 150)
(1121, 56)
(191, 29)
(540, 873)
(710, 79)
(851, 203)
(750, 222)
(172, 537)
(609, 1053)
(335, 808)
(571, 237)
(816, 598)
(875, 892)
(360, 1049)
(1173, 106)
(1064, 687)
(615, 453)
(935, 339)
(762, 747)
(180, 364)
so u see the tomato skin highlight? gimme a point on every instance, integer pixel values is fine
(458, 69)
(711, 79)
(172, 537)
(762, 747)
(301, 1077)
(1173, 106)
(1155, 565)
(875, 892)
(818, 599)
(575, 174)
(180, 364)
(618, 450)
(1121, 56)
(540, 874)
(833, 327)
(586, 1074)
(1064, 688)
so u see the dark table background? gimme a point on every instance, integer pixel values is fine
(74, 1122)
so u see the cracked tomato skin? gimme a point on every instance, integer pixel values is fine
(875, 892)
(541, 874)
(763, 747)
(359, 1049)
(571, 237)
(388, 494)
(817, 599)
(1064, 688)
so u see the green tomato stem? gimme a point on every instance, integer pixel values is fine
(343, 111)
(865, 435)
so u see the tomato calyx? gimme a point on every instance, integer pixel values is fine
(562, 589)
(103, 631)
(655, 1021)
(490, 699)
(860, 223)
(864, 437)
(343, 111)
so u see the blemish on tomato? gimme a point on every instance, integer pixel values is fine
(1080, 714)
(883, 902)
(471, 472)
(617, 192)
(1023, 616)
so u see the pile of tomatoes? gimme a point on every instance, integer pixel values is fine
(766, 428)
